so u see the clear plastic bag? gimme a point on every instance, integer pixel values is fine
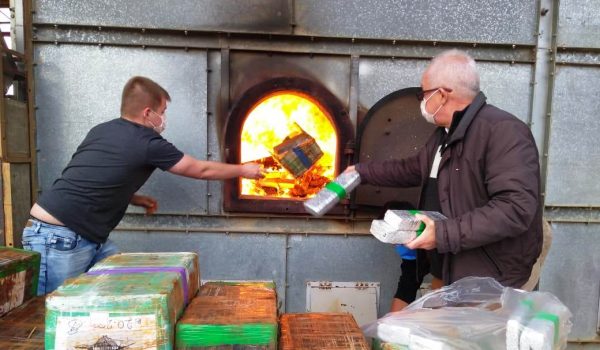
(477, 313)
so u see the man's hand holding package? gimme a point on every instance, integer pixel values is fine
(426, 240)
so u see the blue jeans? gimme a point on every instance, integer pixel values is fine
(65, 254)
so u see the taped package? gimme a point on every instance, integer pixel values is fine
(405, 220)
(332, 193)
(230, 315)
(388, 234)
(124, 311)
(307, 331)
(298, 154)
(537, 320)
(183, 263)
(476, 313)
(19, 275)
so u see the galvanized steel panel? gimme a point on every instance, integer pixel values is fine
(249, 69)
(579, 23)
(78, 87)
(507, 86)
(227, 257)
(574, 155)
(510, 22)
(572, 273)
(320, 258)
(268, 16)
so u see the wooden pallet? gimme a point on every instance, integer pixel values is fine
(23, 327)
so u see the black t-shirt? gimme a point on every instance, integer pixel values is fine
(114, 160)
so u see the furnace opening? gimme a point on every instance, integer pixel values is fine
(277, 121)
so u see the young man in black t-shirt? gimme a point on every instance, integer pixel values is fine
(71, 221)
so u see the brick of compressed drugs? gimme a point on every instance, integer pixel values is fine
(19, 275)
(333, 331)
(125, 311)
(230, 315)
(184, 263)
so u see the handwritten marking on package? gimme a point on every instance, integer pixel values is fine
(137, 331)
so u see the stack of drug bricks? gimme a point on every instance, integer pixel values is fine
(19, 271)
(230, 315)
(321, 331)
(127, 301)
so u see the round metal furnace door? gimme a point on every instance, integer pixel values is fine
(392, 129)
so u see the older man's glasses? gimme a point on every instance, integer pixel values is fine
(421, 94)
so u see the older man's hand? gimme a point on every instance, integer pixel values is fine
(426, 240)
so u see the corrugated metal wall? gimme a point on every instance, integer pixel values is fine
(364, 49)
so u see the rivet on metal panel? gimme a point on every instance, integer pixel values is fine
(34, 29)
(55, 42)
(393, 42)
(99, 28)
(288, 247)
(209, 154)
(353, 40)
(514, 46)
(143, 47)
(435, 43)
(55, 26)
(143, 30)
(185, 32)
(474, 44)
(209, 194)
(100, 45)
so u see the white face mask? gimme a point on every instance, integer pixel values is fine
(163, 123)
(429, 116)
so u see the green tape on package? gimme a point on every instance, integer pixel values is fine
(337, 189)
(422, 225)
(552, 318)
(189, 335)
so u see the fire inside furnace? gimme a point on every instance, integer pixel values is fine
(294, 139)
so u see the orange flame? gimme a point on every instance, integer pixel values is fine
(269, 122)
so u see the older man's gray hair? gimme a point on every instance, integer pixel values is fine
(456, 70)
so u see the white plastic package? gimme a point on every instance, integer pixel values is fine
(477, 313)
(332, 193)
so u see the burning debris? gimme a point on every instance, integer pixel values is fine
(295, 142)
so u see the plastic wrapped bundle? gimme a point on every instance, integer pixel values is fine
(444, 328)
(405, 220)
(183, 263)
(125, 311)
(537, 320)
(19, 274)
(321, 331)
(476, 313)
(298, 154)
(332, 193)
(241, 316)
(388, 234)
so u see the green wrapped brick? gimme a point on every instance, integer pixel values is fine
(19, 275)
(183, 263)
(228, 315)
(123, 311)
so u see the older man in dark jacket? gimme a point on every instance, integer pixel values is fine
(481, 169)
